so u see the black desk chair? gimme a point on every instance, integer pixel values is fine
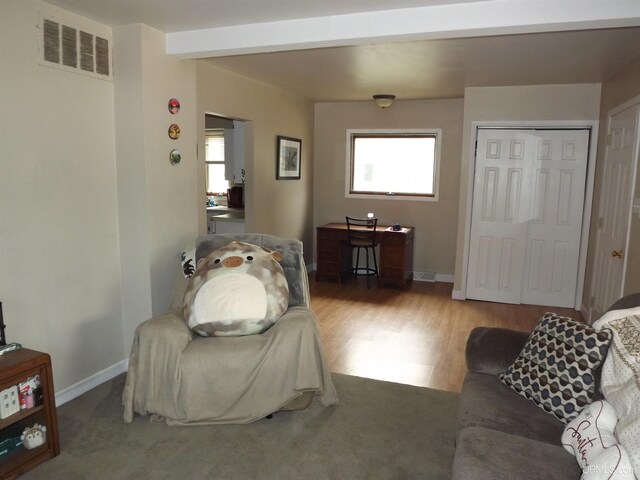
(362, 235)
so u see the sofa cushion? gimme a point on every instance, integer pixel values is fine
(486, 402)
(485, 454)
(557, 368)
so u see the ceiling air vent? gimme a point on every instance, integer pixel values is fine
(72, 48)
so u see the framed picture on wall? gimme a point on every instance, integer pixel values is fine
(288, 158)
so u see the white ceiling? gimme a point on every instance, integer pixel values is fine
(440, 66)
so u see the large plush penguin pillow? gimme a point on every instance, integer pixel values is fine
(239, 289)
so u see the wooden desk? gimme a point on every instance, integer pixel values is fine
(396, 254)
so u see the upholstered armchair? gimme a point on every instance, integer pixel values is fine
(188, 379)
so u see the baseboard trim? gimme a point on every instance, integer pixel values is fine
(93, 381)
(444, 277)
(457, 295)
(432, 277)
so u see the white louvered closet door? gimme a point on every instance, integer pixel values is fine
(527, 216)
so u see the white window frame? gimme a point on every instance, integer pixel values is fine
(214, 132)
(437, 132)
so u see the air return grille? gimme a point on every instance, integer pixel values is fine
(74, 49)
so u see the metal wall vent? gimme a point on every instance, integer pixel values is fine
(75, 49)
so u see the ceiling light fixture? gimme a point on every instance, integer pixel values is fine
(384, 100)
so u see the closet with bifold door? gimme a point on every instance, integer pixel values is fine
(527, 215)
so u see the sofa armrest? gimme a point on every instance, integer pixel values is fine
(628, 301)
(492, 350)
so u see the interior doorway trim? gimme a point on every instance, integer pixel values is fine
(633, 102)
(588, 200)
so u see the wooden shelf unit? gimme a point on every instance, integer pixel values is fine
(15, 367)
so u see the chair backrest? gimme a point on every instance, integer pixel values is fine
(362, 231)
(292, 259)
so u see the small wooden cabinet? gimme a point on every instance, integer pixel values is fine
(396, 254)
(16, 367)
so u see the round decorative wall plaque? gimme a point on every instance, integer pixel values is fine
(174, 131)
(175, 156)
(174, 106)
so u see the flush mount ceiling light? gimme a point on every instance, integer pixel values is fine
(384, 100)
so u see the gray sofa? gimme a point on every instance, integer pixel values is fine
(500, 434)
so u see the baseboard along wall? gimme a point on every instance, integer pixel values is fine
(93, 381)
(417, 276)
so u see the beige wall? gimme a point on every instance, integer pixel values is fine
(277, 207)
(623, 86)
(93, 215)
(516, 104)
(435, 222)
(59, 255)
(158, 214)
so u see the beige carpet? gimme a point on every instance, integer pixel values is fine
(379, 430)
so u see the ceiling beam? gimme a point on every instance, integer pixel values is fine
(457, 20)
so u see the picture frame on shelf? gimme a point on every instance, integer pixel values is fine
(288, 158)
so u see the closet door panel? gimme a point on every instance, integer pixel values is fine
(527, 216)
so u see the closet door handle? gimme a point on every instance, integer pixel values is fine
(617, 253)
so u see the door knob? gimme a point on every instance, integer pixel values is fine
(617, 253)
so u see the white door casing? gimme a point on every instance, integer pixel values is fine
(526, 218)
(615, 207)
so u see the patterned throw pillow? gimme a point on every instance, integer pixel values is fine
(556, 369)
(188, 261)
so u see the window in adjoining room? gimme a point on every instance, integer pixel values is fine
(214, 160)
(393, 164)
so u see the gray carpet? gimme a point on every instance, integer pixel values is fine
(379, 430)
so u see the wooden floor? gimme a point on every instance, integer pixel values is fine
(415, 336)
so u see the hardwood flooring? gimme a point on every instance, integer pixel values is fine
(415, 336)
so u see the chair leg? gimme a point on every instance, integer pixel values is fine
(355, 269)
(375, 263)
(368, 269)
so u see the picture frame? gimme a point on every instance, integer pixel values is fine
(288, 158)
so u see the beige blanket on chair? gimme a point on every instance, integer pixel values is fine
(191, 379)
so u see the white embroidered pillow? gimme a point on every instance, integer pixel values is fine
(590, 438)
(620, 381)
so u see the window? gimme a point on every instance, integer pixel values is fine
(393, 164)
(214, 160)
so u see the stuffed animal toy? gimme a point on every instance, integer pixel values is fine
(33, 437)
(239, 289)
